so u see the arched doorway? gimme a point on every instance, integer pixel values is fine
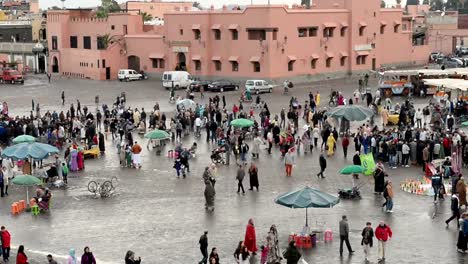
(134, 63)
(181, 62)
(55, 65)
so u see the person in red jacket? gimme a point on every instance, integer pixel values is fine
(383, 233)
(345, 144)
(21, 258)
(6, 240)
(250, 240)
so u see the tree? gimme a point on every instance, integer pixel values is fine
(452, 5)
(412, 2)
(197, 5)
(437, 5)
(425, 2)
(54, 8)
(382, 4)
(107, 6)
(398, 2)
(146, 17)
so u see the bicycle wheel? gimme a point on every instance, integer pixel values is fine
(92, 186)
(107, 187)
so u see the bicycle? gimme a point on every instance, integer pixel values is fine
(105, 189)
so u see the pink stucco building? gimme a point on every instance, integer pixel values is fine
(333, 38)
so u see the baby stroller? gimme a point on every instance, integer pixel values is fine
(217, 155)
(352, 193)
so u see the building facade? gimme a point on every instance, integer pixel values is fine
(269, 42)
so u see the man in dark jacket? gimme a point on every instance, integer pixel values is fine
(454, 206)
(367, 239)
(344, 235)
(204, 247)
(323, 166)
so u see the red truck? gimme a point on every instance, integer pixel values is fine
(11, 76)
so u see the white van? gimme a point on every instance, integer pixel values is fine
(176, 79)
(258, 86)
(129, 75)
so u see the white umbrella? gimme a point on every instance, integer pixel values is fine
(186, 104)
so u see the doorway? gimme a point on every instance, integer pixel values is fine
(134, 63)
(41, 66)
(108, 73)
(373, 64)
(181, 62)
(55, 65)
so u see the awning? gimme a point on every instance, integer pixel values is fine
(397, 22)
(292, 58)
(196, 26)
(330, 54)
(233, 26)
(254, 59)
(216, 26)
(196, 57)
(233, 58)
(329, 25)
(383, 23)
(343, 54)
(216, 58)
(156, 56)
(315, 56)
(362, 24)
(344, 24)
(362, 52)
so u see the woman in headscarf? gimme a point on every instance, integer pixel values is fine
(102, 147)
(379, 178)
(273, 246)
(461, 190)
(21, 257)
(71, 259)
(87, 257)
(331, 145)
(250, 240)
(253, 176)
(209, 190)
(130, 258)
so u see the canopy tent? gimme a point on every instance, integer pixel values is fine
(452, 84)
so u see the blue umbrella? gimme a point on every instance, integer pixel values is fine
(307, 197)
(33, 150)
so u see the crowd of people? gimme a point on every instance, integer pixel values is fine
(420, 137)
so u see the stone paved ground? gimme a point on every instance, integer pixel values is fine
(161, 217)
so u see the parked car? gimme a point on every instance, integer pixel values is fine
(176, 79)
(221, 86)
(434, 56)
(129, 75)
(196, 85)
(258, 86)
(11, 76)
(451, 63)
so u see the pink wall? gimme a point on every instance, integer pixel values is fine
(157, 8)
(145, 46)
(282, 43)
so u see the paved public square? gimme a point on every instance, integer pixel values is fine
(161, 217)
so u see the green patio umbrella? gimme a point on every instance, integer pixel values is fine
(32, 150)
(307, 198)
(351, 112)
(26, 180)
(242, 122)
(352, 169)
(157, 134)
(24, 139)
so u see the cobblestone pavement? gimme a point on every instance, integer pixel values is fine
(161, 217)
